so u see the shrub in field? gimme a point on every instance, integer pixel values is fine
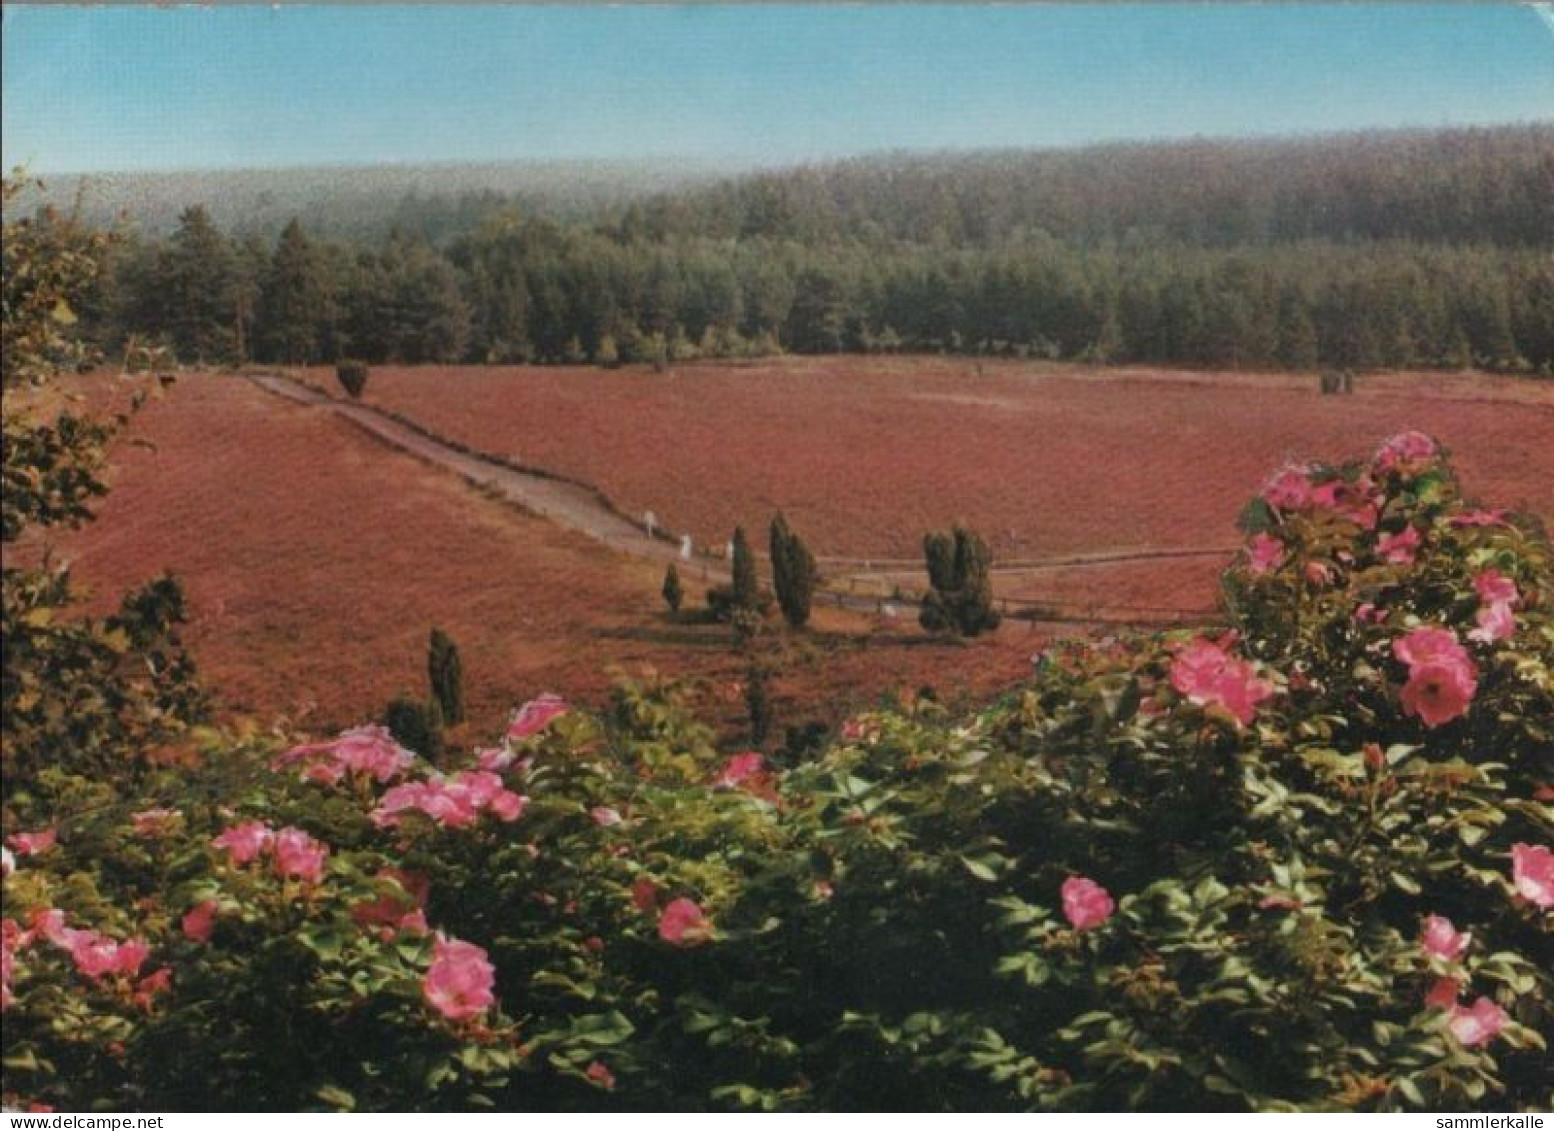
(673, 591)
(416, 723)
(960, 596)
(352, 376)
(794, 575)
(446, 675)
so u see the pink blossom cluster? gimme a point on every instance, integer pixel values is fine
(1471, 1025)
(367, 751)
(1532, 877)
(1442, 677)
(1407, 452)
(748, 772)
(93, 953)
(1086, 904)
(1401, 548)
(1532, 874)
(460, 981)
(1264, 554)
(296, 854)
(1477, 1024)
(1295, 488)
(454, 802)
(1209, 676)
(33, 844)
(683, 923)
(199, 922)
(1497, 596)
(535, 715)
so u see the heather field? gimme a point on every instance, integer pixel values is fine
(865, 454)
(316, 559)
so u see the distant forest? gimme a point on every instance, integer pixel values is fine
(1380, 250)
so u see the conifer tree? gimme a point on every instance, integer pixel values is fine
(446, 675)
(746, 594)
(793, 572)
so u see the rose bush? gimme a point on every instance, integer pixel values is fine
(1300, 862)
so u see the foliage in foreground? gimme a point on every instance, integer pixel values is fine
(1304, 863)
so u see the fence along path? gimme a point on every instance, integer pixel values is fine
(880, 586)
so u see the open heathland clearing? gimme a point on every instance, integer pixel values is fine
(864, 455)
(316, 559)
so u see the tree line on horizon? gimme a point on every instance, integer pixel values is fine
(1422, 250)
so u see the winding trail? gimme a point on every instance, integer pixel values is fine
(588, 511)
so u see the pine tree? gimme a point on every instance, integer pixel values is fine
(196, 280)
(295, 302)
(746, 586)
(793, 572)
(446, 675)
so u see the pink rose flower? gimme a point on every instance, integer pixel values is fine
(157, 982)
(535, 715)
(1443, 993)
(1442, 940)
(297, 855)
(1492, 586)
(1368, 613)
(1353, 501)
(459, 982)
(1477, 1024)
(370, 751)
(1401, 548)
(739, 769)
(454, 803)
(683, 924)
(604, 816)
(1318, 574)
(1289, 489)
(1438, 692)
(494, 759)
(245, 841)
(1405, 451)
(1086, 903)
(47, 923)
(1496, 622)
(1428, 645)
(33, 844)
(96, 955)
(1208, 676)
(1264, 554)
(601, 1075)
(507, 805)
(1532, 873)
(200, 920)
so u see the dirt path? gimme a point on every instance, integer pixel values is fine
(587, 511)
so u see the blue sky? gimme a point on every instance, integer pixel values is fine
(136, 88)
